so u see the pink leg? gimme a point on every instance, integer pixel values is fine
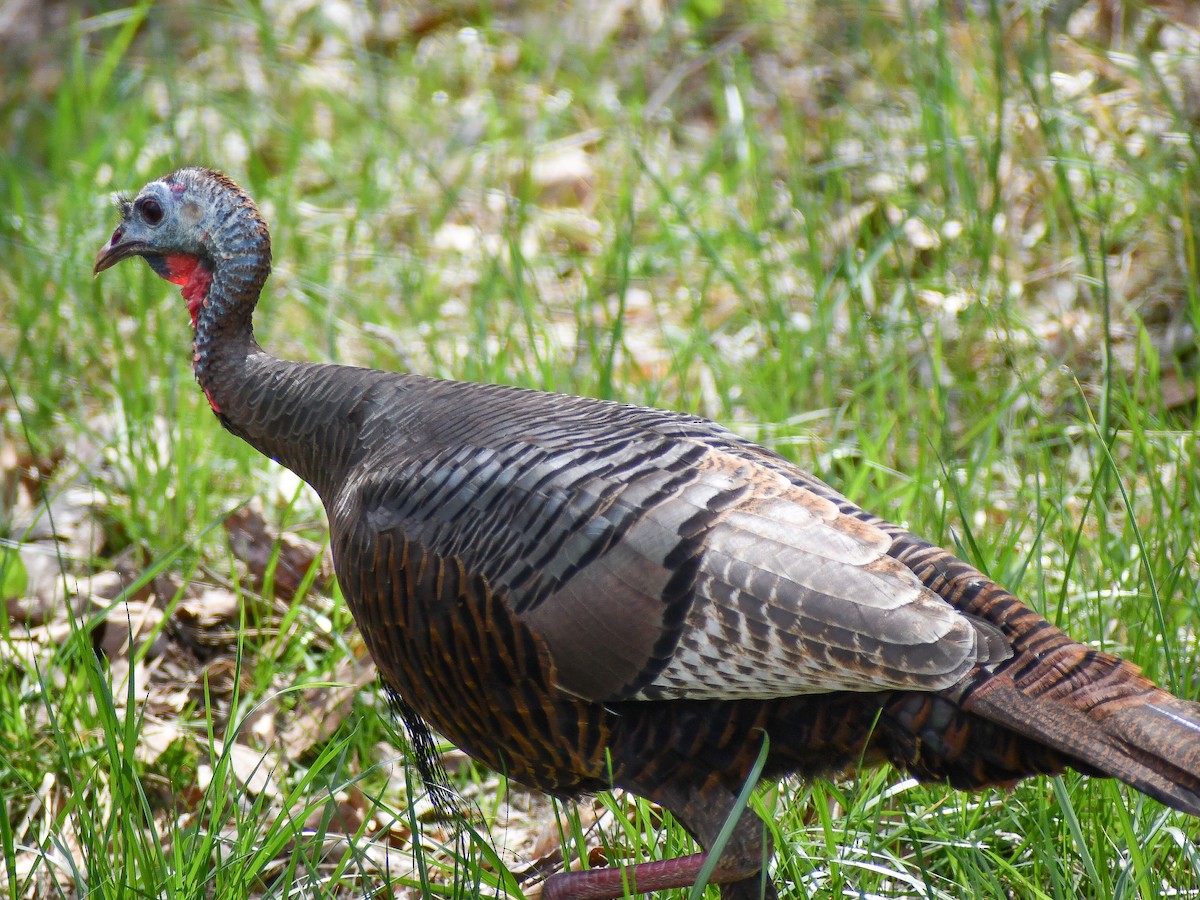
(740, 879)
(702, 810)
(606, 884)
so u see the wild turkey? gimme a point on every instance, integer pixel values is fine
(584, 594)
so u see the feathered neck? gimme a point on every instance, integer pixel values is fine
(223, 284)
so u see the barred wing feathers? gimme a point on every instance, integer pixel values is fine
(659, 567)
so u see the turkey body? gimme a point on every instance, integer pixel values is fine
(571, 478)
(583, 594)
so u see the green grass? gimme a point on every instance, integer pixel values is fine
(939, 254)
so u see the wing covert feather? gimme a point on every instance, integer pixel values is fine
(667, 568)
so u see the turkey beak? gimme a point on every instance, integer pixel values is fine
(116, 250)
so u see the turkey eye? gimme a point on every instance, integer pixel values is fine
(151, 211)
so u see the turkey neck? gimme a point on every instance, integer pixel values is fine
(292, 412)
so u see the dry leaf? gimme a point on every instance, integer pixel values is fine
(34, 653)
(254, 542)
(563, 177)
(129, 624)
(1177, 392)
(10, 480)
(322, 709)
(69, 521)
(155, 739)
(252, 768)
(573, 227)
(45, 588)
(348, 813)
(212, 607)
(123, 693)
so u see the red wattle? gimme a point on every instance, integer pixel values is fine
(195, 278)
(180, 267)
